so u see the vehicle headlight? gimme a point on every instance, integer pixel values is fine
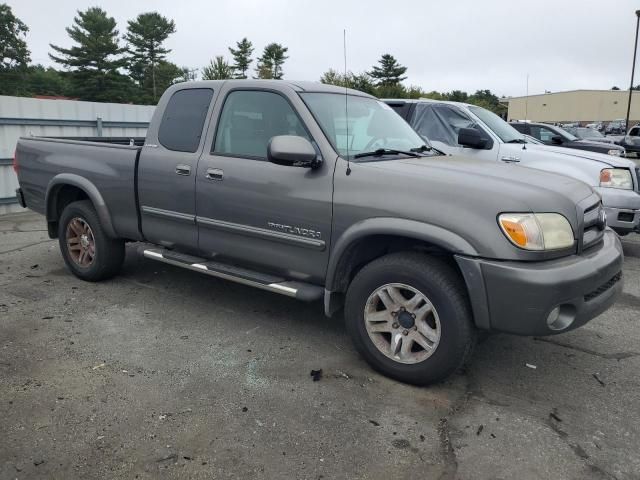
(615, 152)
(537, 231)
(616, 178)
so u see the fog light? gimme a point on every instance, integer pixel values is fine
(553, 316)
(561, 317)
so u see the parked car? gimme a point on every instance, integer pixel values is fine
(599, 126)
(630, 142)
(589, 134)
(616, 127)
(272, 185)
(552, 135)
(463, 129)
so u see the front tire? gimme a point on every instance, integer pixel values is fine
(409, 316)
(88, 252)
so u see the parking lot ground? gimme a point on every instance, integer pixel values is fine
(163, 373)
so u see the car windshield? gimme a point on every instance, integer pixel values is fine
(356, 125)
(501, 128)
(587, 133)
(563, 133)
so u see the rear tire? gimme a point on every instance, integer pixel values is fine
(88, 252)
(383, 310)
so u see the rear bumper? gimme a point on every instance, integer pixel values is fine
(20, 197)
(518, 297)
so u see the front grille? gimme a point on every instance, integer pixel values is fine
(603, 288)
(593, 231)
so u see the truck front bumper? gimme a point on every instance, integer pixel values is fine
(544, 298)
(622, 208)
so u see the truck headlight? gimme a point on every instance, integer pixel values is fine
(615, 152)
(537, 231)
(616, 178)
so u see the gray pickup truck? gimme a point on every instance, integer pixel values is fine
(317, 192)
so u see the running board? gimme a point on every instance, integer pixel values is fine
(298, 290)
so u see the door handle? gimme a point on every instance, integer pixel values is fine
(510, 159)
(183, 169)
(214, 174)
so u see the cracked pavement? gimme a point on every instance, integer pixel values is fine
(163, 373)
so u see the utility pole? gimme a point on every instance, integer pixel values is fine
(633, 71)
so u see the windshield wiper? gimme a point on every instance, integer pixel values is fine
(427, 148)
(422, 148)
(387, 151)
(517, 140)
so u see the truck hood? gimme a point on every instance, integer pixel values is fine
(605, 140)
(527, 184)
(589, 143)
(606, 160)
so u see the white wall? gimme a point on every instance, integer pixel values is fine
(45, 109)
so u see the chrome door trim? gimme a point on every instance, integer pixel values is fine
(159, 212)
(263, 233)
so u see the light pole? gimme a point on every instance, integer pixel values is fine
(633, 71)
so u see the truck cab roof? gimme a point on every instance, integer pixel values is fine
(298, 86)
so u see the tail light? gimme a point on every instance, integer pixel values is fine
(15, 161)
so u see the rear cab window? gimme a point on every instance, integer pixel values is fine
(183, 119)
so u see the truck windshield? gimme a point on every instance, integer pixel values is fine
(369, 125)
(502, 129)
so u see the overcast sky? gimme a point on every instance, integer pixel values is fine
(446, 44)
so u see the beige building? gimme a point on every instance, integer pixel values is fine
(582, 106)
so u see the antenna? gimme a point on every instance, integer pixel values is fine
(526, 108)
(346, 97)
(526, 100)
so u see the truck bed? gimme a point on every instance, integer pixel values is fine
(105, 166)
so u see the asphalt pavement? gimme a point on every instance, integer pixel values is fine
(164, 373)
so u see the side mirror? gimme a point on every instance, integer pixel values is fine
(470, 137)
(292, 151)
(556, 140)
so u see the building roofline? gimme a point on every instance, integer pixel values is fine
(567, 91)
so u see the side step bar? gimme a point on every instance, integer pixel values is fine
(298, 290)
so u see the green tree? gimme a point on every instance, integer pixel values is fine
(271, 61)
(14, 54)
(145, 37)
(166, 74)
(415, 92)
(188, 74)
(457, 96)
(434, 95)
(360, 81)
(488, 100)
(242, 57)
(389, 73)
(95, 58)
(46, 81)
(217, 70)
(13, 46)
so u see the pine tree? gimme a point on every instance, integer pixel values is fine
(217, 70)
(242, 57)
(145, 36)
(389, 73)
(95, 58)
(271, 61)
(13, 47)
(14, 54)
